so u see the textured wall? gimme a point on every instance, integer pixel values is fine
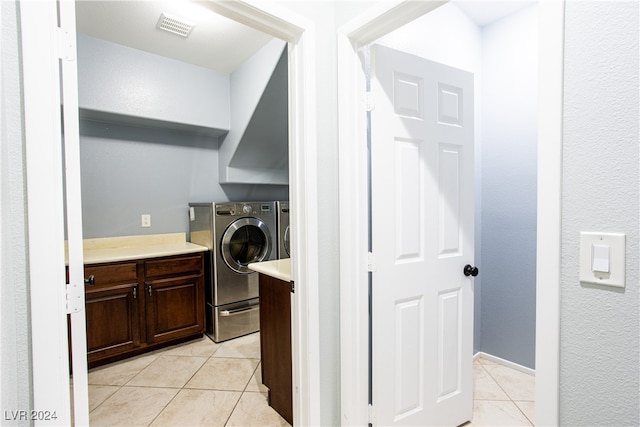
(15, 336)
(509, 191)
(123, 80)
(600, 351)
(135, 168)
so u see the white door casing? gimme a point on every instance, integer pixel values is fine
(44, 184)
(43, 164)
(422, 237)
(71, 143)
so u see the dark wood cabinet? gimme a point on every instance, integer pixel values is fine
(112, 310)
(174, 298)
(275, 343)
(137, 306)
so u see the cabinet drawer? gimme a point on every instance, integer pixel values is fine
(173, 266)
(112, 273)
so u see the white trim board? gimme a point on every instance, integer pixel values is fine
(43, 163)
(504, 362)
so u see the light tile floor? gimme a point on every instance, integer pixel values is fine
(202, 383)
(199, 383)
(502, 396)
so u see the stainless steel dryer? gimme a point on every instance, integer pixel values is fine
(284, 234)
(236, 234)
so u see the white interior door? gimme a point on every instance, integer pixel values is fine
(422, 238)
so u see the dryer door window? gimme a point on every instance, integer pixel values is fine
(245, 241)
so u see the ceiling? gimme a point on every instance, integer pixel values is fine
(484, 12)
(215, 42)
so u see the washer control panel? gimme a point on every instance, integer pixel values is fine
(243, 209)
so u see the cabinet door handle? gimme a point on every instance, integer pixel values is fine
(150, 290)
(135, 293)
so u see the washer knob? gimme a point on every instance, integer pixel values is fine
(247, 209)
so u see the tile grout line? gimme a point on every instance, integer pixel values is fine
(522, 412)
(497, 383)
(181, 388)
(241, 394)
(102, 403)
(506, 393)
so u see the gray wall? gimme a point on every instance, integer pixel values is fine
(15, 337)
(509, 175)
(600, 326)
(132, 170)
(118, 79)
(131, 165)
(463, 50)
(259, 119)
(269, 125)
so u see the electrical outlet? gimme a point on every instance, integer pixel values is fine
(146, 220)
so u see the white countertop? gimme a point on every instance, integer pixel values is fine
(125, 248)
(279, 268)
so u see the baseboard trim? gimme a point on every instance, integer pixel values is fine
(504, 362)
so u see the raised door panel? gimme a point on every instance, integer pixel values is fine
(422, 236)
(106, 274)
(175, 308)
(112, 320)
(174, 266)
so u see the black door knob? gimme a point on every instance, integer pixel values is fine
(470, 271)
(90, 281)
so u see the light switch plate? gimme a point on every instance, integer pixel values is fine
(591, 244)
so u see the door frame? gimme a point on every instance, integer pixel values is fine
(372, 24)
(45, 204)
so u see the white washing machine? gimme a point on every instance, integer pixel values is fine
(236, 234)
(284, 231)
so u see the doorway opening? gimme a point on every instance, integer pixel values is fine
(360, 32)
(274, 26)
(275, 21)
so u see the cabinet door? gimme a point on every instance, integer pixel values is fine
(113, 322)
(175, 308)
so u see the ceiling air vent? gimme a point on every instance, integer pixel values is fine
(174, 25)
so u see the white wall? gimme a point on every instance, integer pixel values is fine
(445, 35)
(322, 14)
(600, 326)
(15, 348)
